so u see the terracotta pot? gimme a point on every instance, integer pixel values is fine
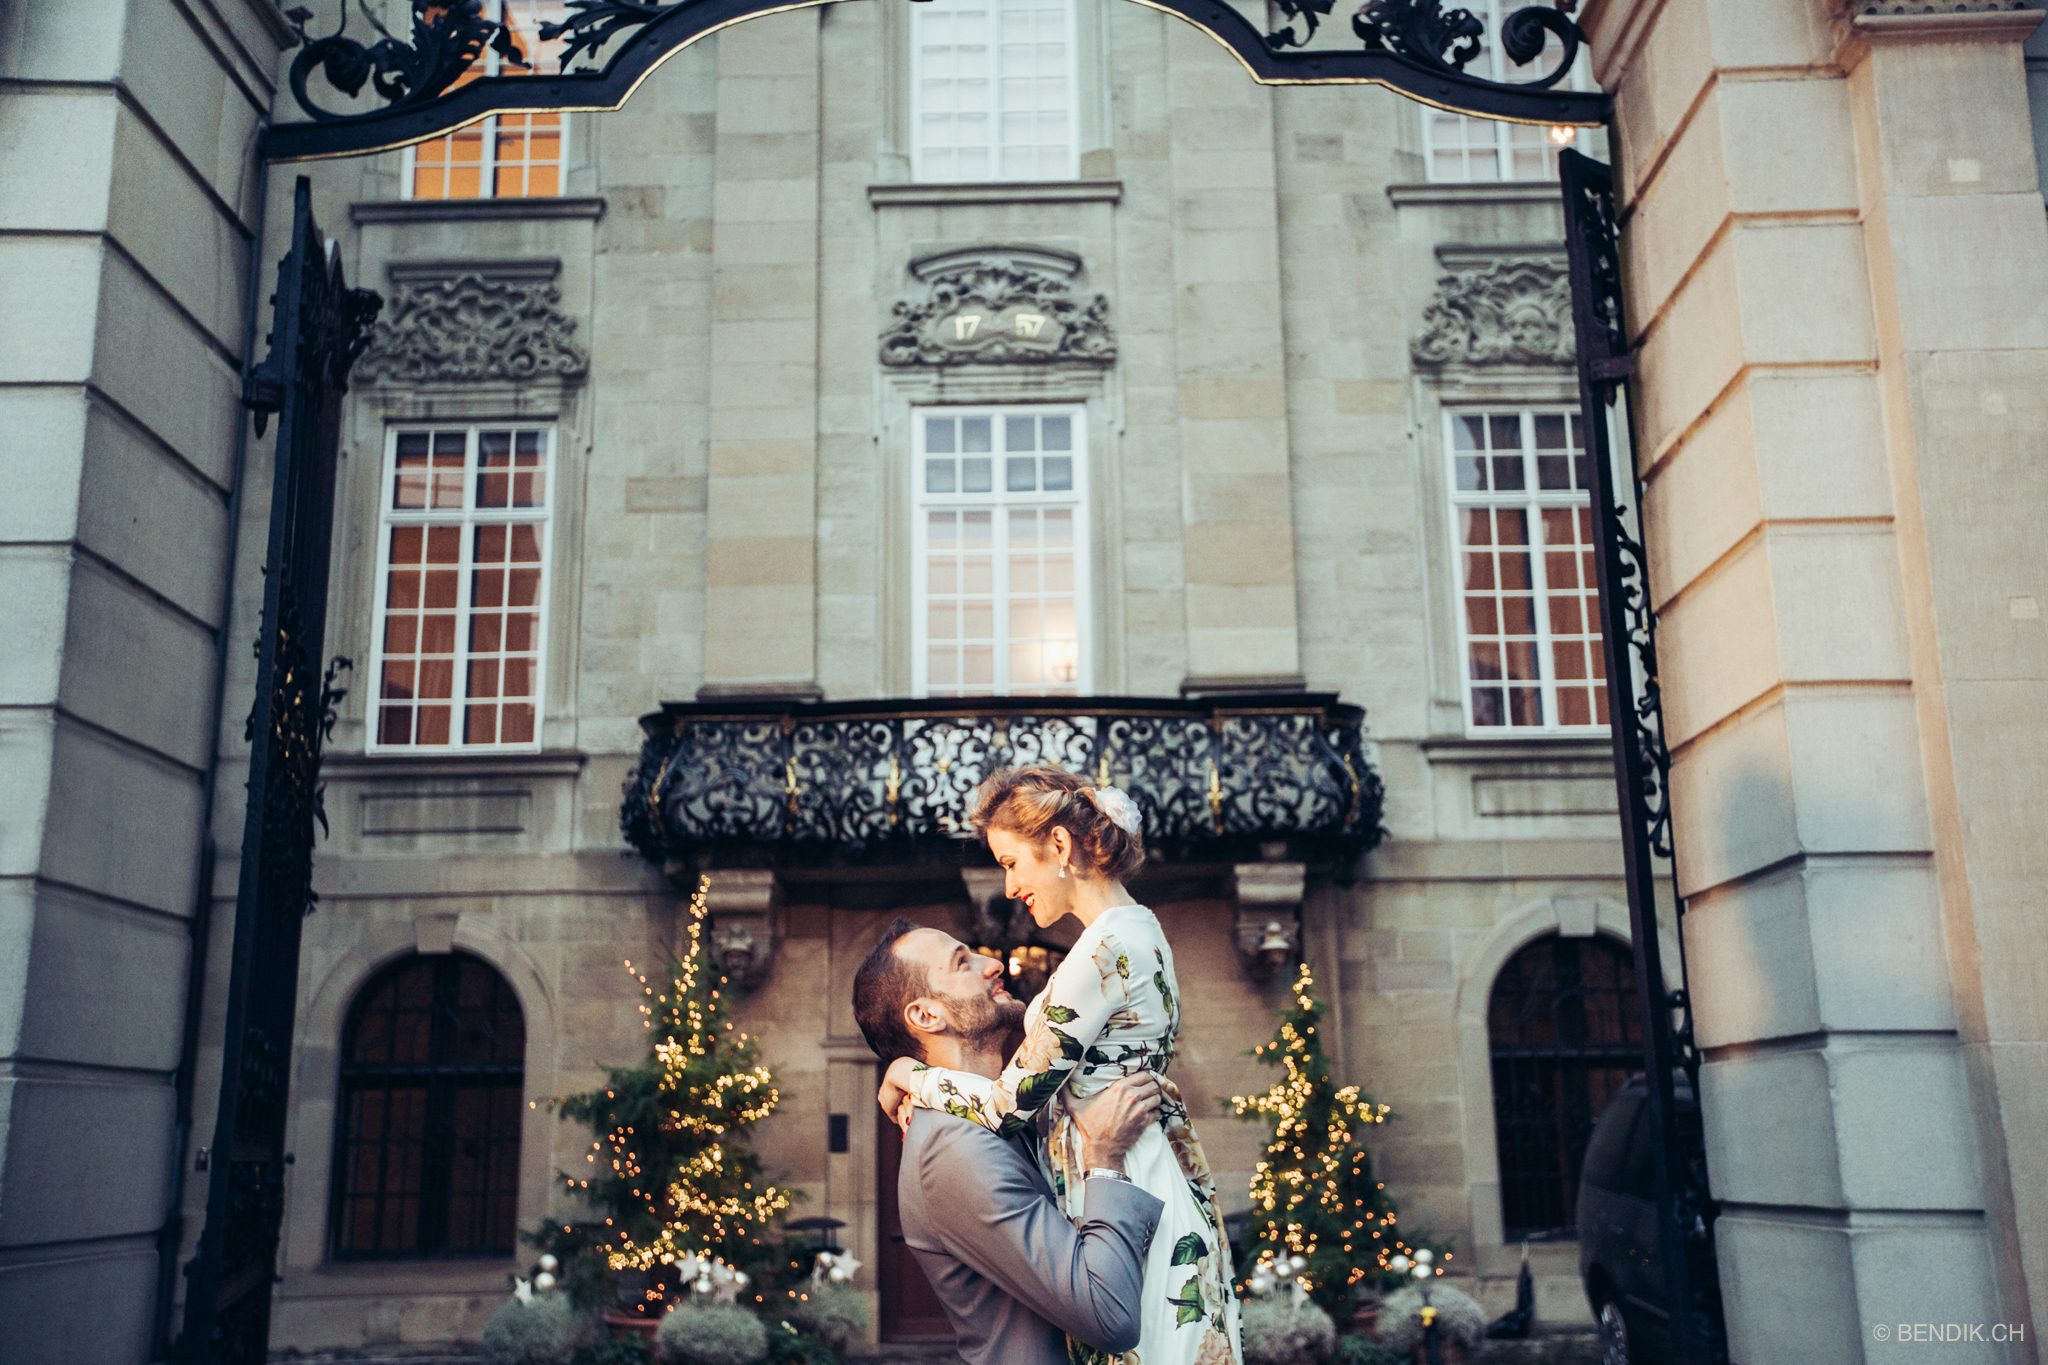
(1365, 1318)
(631, 1322)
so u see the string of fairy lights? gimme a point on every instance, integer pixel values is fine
(1317, 1211)
(709, 1086)
(1320, 1221)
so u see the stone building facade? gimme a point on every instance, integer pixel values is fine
(691, 382)
(736, 323)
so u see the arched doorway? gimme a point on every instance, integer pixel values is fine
(426, 1144)
(1563, 1035)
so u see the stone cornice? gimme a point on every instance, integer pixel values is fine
(1430, 193)
(1893, 22)
(998, 192)
(472, 210)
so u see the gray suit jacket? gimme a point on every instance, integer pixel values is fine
(1014, 1275)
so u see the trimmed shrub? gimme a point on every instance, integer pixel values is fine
(1458, 1318)
(833, 1313)
(1358, 1350)
(1276, 1332)
(711, 1334)
(627, 1350)
(545, 1332)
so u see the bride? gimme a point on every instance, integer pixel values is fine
(1111, 1008)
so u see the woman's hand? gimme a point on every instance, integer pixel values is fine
(894, 1096)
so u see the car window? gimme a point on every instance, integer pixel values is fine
(1639, 1179)
(1607, 1152)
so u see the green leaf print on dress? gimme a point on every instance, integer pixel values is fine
(1187, 1305)
(1189, 1250)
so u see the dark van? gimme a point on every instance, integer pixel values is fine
(1619, 1256)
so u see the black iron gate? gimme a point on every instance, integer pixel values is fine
(318, 328)
(1642, 768)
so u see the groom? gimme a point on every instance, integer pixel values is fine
(1015, 1276)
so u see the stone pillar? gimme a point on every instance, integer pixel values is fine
(1835, 262)
(1237, 509)
(126, 221)
(1958, 254)
(760, 538)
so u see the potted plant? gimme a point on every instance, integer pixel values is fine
(1431, 1324)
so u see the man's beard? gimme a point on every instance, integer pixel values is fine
(982, 1021)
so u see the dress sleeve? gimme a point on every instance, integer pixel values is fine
(1077, 1006)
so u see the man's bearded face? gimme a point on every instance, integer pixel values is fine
(982, 1017)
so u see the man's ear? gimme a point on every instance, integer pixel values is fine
(923, 1016)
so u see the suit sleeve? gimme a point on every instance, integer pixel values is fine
(1086, 1278)
(1081, 1002)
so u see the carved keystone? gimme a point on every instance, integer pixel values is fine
(1268, 916)
(745, 905)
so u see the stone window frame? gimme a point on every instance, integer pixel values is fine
(387, 931)
(999, 501)
(1573, 912)
(1093, 157)
(1534, 500)
(492, 65)
(385, 517)
(1098, 393)
(1464, 386)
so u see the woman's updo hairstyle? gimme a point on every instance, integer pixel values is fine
(1029, 802)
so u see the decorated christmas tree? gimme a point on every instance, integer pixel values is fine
(1318, 1217)
(671, 1164)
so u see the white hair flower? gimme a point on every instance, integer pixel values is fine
(1116, 803)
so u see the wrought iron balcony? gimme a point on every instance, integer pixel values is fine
(753, 784)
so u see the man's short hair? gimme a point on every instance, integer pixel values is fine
(882, 988)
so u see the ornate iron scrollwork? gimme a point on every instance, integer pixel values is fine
(596, 22)
(447, 38)
(1435, 39)
(605, 48)
(1428, 35)
(318, 331)
(857, 782)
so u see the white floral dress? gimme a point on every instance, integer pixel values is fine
(1113, 1009)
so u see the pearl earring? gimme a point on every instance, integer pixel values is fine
(1063, 871)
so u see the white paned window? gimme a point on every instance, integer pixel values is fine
(1460, 147)
(1002, 553)
(462, 562)
(505, 156)
(1528, 604)
(993, 90)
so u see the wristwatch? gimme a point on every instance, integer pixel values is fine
(1105, 1173)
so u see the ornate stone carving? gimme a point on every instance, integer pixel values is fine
(472, 328)
(1000, 305)
(1514, 312)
